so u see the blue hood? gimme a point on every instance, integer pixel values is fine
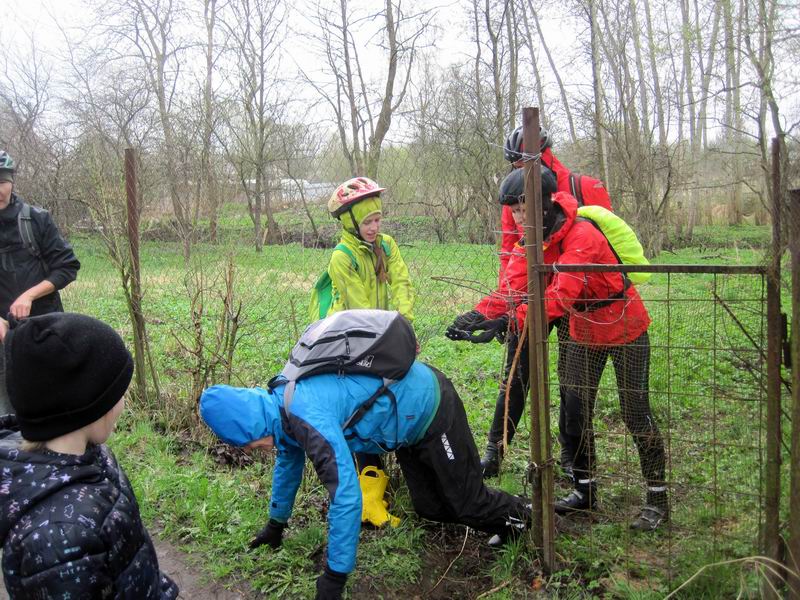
(239, 416)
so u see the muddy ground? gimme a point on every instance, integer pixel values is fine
(193, 583)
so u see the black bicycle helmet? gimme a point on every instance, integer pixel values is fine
(514, 147)
(512, 188)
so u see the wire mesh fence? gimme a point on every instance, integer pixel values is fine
(703, 396)
(705, 385)
(233, 314)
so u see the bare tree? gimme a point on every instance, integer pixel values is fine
(210, 183)
(146, 30)
(254, 30)
(531, 10)
(363, 110)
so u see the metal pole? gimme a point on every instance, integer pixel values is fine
(793, 558)
(542, 469)
(773, 474)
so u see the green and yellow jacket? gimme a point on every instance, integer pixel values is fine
(355, 284)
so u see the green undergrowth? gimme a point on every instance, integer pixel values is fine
(705, 397)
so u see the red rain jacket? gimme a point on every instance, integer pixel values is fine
(511, 234)
(619, 322)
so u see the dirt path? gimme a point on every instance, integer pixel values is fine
(191, 580)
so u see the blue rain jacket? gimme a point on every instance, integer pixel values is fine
(313, 426)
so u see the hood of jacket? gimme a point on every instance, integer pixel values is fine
(362, 209)
(239, 416)
(567, 207)
(28, 478)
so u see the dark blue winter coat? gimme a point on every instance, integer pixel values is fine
(20, 270)
(70, 527)
(320, 407)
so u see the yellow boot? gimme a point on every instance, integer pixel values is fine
(373, 483)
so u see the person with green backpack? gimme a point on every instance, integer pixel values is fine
(606, 318)
(366, 270)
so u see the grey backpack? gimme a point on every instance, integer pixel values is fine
(364, 341)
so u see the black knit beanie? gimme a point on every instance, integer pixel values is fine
(64, 371)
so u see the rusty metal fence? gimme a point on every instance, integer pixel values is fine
(706, 390)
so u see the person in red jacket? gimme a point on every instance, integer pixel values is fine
(566, 181)
(514, 153)
(607, 318)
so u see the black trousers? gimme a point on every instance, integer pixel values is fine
(444, 476)
(517, 395)
(368, 460)
(584, 367)
(519, 389)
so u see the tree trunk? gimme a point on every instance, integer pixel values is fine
(637, 45)
(602, 154)
(561, 90)
(658, 105)
(210, 15)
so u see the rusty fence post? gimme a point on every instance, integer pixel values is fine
(771, 540)
(541, 472)
(793, 546)
(135, 299)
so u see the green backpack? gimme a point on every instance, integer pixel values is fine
(621, 238)
(322, 292)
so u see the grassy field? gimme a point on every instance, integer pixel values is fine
(706, 379)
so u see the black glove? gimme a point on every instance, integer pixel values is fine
(330, 584)
(272, 535)
(463, 325)
(496, 328)
(468, 319)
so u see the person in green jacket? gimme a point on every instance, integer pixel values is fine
(367, 271)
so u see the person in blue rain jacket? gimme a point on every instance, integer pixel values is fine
(425, 424)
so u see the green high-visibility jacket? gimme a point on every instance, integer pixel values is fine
(357, 286)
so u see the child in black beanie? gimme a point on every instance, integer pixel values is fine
(69, 521)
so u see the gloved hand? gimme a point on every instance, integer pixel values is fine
(330, 584)
(463, 325)
(272, 535)
(496, 328)
(466, 320)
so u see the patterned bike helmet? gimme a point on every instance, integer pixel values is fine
(350, 192)
(514, 148)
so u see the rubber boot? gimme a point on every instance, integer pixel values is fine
(373, 484)
(490, 463)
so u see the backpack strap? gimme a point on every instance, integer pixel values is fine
(25, 226)
(346, 250)
(288, 396)
(361, 410)
(575, 188)
(625, 279)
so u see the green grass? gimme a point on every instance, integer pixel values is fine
(709, 408)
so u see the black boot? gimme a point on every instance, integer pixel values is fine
(584, 498)
(490, 463)
(654, 513)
